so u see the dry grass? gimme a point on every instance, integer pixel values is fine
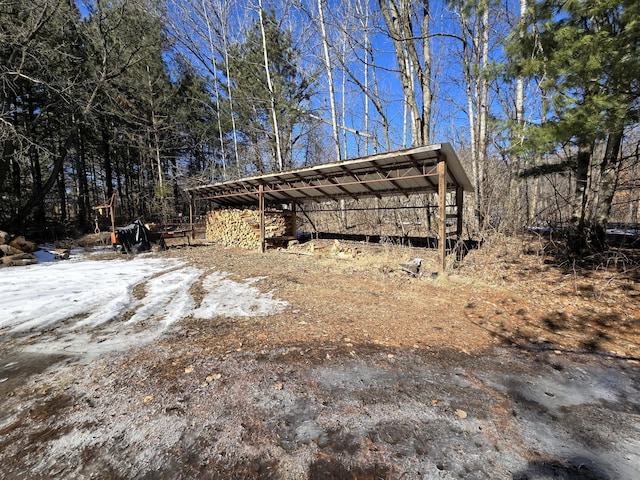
(94, 240)
(507, 293)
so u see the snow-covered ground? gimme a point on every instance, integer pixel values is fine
(87, 306)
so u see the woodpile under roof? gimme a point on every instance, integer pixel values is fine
(427, 169)
(241, 228)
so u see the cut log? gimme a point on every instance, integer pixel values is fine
(23, 245)
(9, 250)
(17, 260)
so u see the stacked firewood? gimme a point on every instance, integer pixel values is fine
(241, 228)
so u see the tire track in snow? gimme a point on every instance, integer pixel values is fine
(88, 308)
(167, 297)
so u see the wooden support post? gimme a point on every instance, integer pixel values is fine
(112, 212)
(192, 233)
(442, 214)
(459, 208)
(262, 218)
(294, 220)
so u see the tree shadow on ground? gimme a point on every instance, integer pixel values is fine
(586, 333)
(329, 468)
(576, 468)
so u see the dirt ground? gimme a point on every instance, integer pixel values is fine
(509, 366)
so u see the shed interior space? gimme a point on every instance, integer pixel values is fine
(426, 169)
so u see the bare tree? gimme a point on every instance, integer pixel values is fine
(414, 69)
(205, 29)
(329, 72)
(474, 24)
(272, 98)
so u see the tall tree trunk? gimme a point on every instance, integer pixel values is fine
(609, 170)
(520, 182)
(36, 173)
(578, 227)
(16, 177)
(365, 32)
(34, 158)
(272, 97)
(83, 185)
(118, 169)
(216, 90)
(8, 149)
(108, 167)
(62, 195)
(399, 21)
(329, 70)
(17, 220)
(155, 148)
(368, 86)
(475, 58)
(467, 58)
(343, 109)
(425, 75)
(234, 128)
(483, 100)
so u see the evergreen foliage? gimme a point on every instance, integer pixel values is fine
(89, 107)
(586, 55)
(249, 88)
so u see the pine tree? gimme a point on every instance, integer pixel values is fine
(252, 96)
(196, 117)
(133, 134)
(39, 45)
(586, 55)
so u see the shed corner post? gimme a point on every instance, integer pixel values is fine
(262, 219)
(442, 214)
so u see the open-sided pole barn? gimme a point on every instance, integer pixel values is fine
(426, 169)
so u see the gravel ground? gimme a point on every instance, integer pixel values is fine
(369, 373)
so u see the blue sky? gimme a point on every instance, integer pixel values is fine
(449, 119)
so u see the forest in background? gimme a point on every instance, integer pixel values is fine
(143, 98)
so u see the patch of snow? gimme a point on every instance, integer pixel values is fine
(167, 296)
(86, 306)
(233, 299)
(37, 296)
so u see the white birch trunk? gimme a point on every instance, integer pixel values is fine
(484, 100)
(216, 89)
(332, 97)
(468, 80)
(520, 183)
(365, 32)
(272, 99)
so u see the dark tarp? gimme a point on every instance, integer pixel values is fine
(134, 238)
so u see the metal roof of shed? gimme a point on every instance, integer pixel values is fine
(400, 172)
